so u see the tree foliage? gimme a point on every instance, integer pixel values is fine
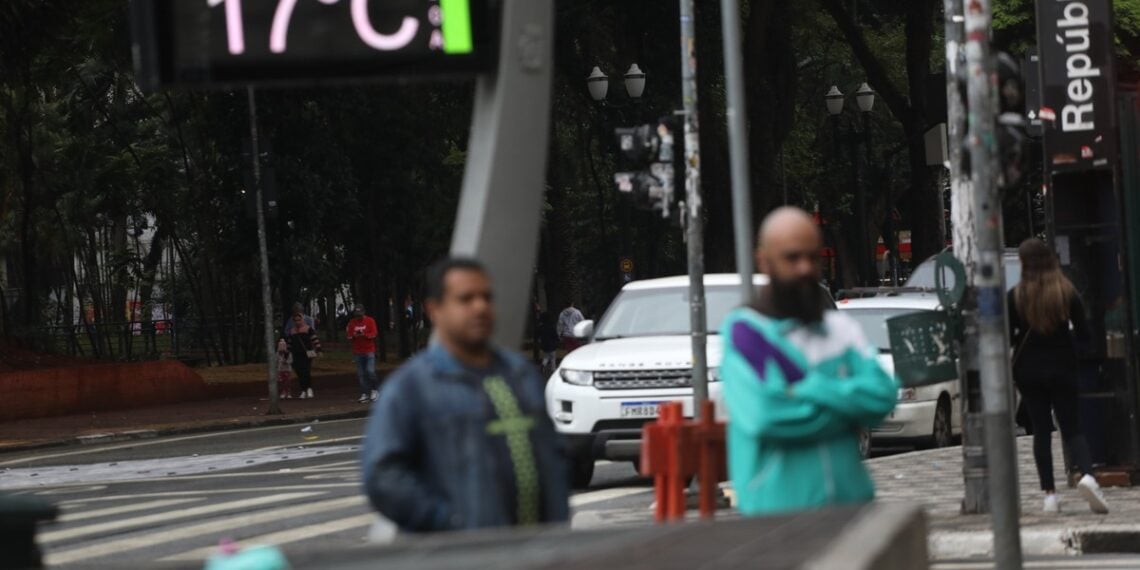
(367, 177)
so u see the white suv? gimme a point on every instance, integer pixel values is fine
(930, 416)
(639, 355)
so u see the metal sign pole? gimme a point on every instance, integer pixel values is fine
(694, 223)
(501, 205)
(989, 282)
(737, 116)
(263, 250)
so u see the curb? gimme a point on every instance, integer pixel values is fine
(884, 536)
(1050, 541)
(132, 435)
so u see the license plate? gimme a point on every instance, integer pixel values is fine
(639, 409)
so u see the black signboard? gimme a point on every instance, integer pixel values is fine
(228, 42)
(1075, 43)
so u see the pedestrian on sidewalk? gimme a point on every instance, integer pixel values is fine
(567, 320)
(460, 438)
(298, 310)
(800, 383)
(305, 347)
(1048, 327)
(361, 330)
(284, 369)
(548, 342)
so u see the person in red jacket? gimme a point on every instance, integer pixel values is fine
(361, 330)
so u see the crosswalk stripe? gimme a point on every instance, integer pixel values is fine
(58, 535)
(84, 515)
(147, 539)
(604, 495)
(204, 492)
(282, 537)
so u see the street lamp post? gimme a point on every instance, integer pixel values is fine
(598, 85)
(865, 100)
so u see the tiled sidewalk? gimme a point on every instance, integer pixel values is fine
(934, 479)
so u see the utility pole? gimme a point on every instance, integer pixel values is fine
(738, 146)
(263, 249)
(694, 225)
(989, 286)
(975, 470)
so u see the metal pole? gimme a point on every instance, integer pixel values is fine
(694, 223)
(975, 469)
(860, 213)
(737, 117)
(263, 250)
(989, 282)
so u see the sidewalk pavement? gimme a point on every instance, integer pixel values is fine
(934, 479)
(336, 401)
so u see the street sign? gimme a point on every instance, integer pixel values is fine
(230, 42)
(1077, 82)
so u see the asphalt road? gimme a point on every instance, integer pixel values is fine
(169, 501)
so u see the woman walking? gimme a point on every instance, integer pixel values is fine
(1047, 322)
(304, 346)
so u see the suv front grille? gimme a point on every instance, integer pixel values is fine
(642, 379)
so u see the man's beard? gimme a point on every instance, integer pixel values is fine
(801, 300)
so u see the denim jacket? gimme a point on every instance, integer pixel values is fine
(426, 456)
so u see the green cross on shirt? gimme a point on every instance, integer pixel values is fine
(516, 428)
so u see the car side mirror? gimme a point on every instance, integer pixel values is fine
(584, 329)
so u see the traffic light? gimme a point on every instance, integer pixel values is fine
(650, 150)
(1011, 128)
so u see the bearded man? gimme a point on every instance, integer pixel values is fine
(800, 383)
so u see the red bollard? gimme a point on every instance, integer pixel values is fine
(712, 461)
(663, 457)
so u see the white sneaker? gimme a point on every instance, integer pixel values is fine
(363, 398)
(1090, 491)
(303, 396)
(310, 392)
(1052, 503)
(375, 394)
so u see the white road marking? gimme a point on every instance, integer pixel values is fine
(82, 516)
(591, 497)
(149, 539)
(282, 537)
(163, 441)
(165, 469)
(355, 464)
(208, 492)
(148, 520)
(1076, 563)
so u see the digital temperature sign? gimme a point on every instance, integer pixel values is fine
(241, 42)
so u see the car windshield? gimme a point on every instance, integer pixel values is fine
(923, 275)
(663, 312)
(874, 323)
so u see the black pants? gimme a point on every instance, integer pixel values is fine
(1047, 393)
(303, 366)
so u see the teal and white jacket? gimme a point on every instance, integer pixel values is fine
(796, 397)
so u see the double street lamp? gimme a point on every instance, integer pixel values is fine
(865, 100)
(599, 83)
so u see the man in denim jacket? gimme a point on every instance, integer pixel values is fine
(460, 437)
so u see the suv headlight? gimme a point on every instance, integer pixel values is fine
(578, 377)
(714, 374)
(907, 394)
